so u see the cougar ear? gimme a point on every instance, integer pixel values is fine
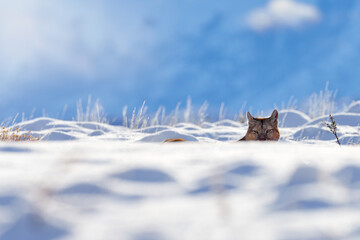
(249, 117)
(274, 115)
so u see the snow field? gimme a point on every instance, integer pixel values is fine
(88, 180)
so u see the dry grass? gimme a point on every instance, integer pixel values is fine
(333, 128)
(14, 135)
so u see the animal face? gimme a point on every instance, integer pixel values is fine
(263, 129)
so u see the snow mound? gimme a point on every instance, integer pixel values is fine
(96, 133)
(349, 119)
(163, 135)
(354, 107)
(153, 129)
(209, 187)
(37, 124)
(245, 170)
(33, 227)
(293, 125)
(349, 176)
(94, 126)
(14, 149)
(292, 118)
(314, 133)
(56, 191)
(144, 175)
(303, 175)
(58, 136)
(167, 191)
(228, 123)
(349, 140)
(83, 188)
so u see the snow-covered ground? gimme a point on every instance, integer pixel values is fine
(88, 180)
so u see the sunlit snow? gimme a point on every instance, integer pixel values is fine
(88, 180)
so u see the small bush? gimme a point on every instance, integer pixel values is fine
(14, 135)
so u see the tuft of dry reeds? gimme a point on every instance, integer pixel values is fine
(14, 135)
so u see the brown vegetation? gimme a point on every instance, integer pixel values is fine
(175, 140)
(333, 128)
(14, 135)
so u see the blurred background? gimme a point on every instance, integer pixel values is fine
(258, 52)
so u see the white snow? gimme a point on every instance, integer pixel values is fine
(354, 107)
(292, 118)
(88, 180)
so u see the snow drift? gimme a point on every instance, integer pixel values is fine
(88, 180)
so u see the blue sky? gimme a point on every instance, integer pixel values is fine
(124, 52)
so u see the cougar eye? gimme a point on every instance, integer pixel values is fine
(269, 131)
(254, 131)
